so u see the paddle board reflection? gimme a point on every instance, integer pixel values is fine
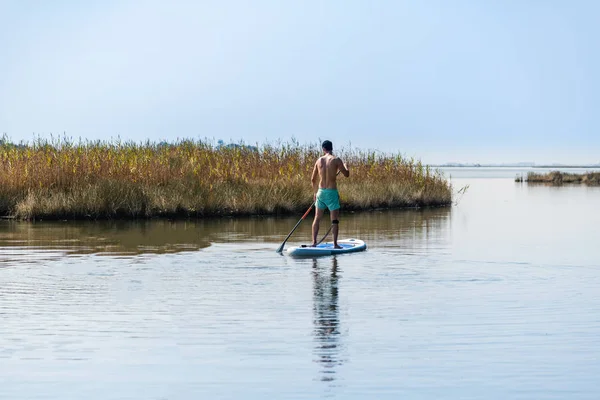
(326, 317)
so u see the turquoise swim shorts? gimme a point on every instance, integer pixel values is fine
(328, 198)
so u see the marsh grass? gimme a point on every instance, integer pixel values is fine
(103, 180)
(559, 178)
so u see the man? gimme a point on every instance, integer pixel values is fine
(325, 188)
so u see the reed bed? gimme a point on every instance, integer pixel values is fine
(559, 178)
(103, 180)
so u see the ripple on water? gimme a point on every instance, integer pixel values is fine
(433, 309)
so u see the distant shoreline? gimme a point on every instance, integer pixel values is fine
(595, 166)
(559, 178)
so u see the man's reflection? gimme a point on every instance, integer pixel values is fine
(326, 318)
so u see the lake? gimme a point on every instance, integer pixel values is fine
(497, 297)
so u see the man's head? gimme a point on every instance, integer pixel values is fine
(327, 146)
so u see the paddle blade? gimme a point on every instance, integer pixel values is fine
(280, 248)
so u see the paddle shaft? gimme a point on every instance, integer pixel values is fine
(326, 234)
(280, 249)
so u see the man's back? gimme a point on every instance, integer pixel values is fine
(328, 166)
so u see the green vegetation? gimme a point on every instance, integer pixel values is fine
(103, 180)
(558, 178)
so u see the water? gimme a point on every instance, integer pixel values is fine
(496, 298)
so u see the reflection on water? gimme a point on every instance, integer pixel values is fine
(30, 242)
(326, 317)
(394, 225)
(51, 239)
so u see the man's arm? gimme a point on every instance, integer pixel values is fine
(343, 168)
(315, 180)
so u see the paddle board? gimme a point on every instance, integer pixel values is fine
(326, 249)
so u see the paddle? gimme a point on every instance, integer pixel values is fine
(326, 234)
(280, 248)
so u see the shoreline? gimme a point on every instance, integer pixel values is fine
(560, 178)
(216, 216)
(554, 167)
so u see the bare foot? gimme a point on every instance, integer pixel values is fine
(337, 246)
(313, 245)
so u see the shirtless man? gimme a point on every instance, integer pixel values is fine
(325, 188)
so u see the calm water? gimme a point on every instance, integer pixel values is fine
(496, 298)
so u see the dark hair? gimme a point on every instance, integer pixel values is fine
(327, 145)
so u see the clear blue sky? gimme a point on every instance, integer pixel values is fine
(467, 81)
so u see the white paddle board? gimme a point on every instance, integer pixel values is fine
(326, 249)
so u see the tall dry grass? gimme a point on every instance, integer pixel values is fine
(64, 180)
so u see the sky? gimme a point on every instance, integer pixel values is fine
(442, 81)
